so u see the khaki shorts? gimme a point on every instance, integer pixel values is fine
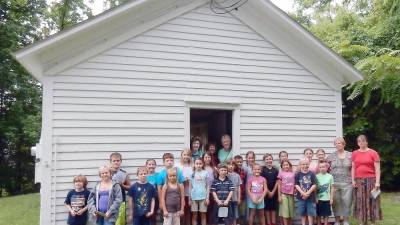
(199, 205)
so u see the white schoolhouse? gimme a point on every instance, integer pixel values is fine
(142, 78)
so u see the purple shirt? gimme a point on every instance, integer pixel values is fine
(103, 201)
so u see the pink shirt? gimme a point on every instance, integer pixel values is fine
(287, 182)
(256, 185)
(364, 163)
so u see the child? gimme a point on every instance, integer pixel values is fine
(141, 199)
(236, 181)
(325, 193)
(242, 174)
(76, 201)
(187, 171)
(283, 155)
(308, 154)
(212, 149)
(199, 192)
(321, 157)
(256, 190)
(211, 176)
(270, 173)
(305, 184)
(152, 179)
(222, 191)
(250, 160)
(106, 198)
(197, 151)
(121, 177)
(285, 192)
(168, 160)
(172, 199)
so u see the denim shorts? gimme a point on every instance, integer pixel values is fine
(306, 207)
(252, 205)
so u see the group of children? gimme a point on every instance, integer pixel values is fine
(200, 191)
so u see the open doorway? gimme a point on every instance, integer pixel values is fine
(210, 124)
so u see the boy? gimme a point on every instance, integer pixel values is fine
(168, 160)
(141, 199)
(120, 176)
(76, 201)
(305, 184)
(242, 203)
(325, 193)
(236, 181)
(222, 191)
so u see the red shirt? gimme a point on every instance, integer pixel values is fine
(364, 163)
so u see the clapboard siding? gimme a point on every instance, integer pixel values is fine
(131, 98)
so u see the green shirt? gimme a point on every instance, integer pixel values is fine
(324, 184)
(224, 155)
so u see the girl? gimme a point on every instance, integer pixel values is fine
(212, 149)
(211, 175)
(283, 155)
(199, 192)
(321, 157)
(236, 181)
(250, 160)
(285, 192)
(256, 189)
(76, 201)
(270, 173)
(308, 154)
(187, 171)
(152, 179)
(197, 151)
(106, 198)
(172, 199)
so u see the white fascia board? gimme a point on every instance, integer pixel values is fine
(277, 27)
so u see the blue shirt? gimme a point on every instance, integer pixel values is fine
(141, 194)
(305, 181)
(222, 188)
(199, 182)
(162, 177)
(77, 201)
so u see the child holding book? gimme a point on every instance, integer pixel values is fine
(76, 201)
(222, 191)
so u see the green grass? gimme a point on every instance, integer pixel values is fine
(390, 203)
(24, 209)
(20, 210)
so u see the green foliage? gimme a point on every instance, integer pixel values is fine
(367, 34)
(20, 96)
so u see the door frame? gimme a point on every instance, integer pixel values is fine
(232, 104)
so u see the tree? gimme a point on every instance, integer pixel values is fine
(20, 95)
(367, 34)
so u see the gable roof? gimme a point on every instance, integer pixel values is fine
(87, 39)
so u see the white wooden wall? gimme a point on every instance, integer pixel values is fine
(130, 98)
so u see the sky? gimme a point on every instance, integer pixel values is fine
(285, 5)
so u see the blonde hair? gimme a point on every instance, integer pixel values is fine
(341, 139)
(141, 169)
(186, 150)
(101, 168)
(170, 171)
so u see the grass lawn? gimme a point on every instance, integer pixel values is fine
(24, 209)
(20, 210)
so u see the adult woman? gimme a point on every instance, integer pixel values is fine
(225, 153)
(196, 149)
(105, 199)
(340, 163)
(366, 176)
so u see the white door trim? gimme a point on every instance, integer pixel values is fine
(218, 104)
